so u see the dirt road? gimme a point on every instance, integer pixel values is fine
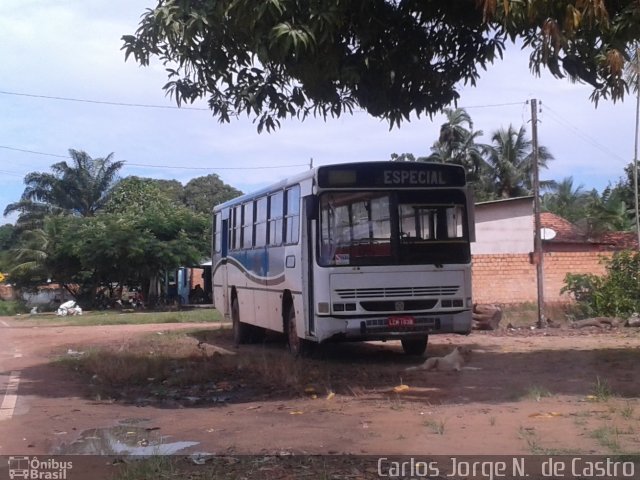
(555, 391)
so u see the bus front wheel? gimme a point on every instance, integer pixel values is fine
(415, 346)
(297, 346)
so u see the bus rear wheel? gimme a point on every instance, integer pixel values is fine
(241, 332)
(415, 346)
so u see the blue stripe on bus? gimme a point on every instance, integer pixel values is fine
(265, 265)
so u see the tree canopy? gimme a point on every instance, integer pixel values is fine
(81, 225)
(277, 59)
(201, 194)
(457, 144)
(80, 189)
(510, 160)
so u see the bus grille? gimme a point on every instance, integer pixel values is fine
(395, 292)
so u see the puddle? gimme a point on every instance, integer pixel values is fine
(123, 440)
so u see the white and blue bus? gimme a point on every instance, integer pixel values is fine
(357, 251)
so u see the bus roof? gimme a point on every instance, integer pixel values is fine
(375, 174)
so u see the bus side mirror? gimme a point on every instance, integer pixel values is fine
(311, 207)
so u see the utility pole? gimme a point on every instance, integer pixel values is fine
(311, 163)
(635, 150)
(538, 254)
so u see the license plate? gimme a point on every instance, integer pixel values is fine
(401, 321)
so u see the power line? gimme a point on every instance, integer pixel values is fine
(172, 107)
(215, 168)
(147, 165)
(101, 102)
(34, 152)
(555, 116)
(493, 105)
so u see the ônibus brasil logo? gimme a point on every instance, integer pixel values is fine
(33, 468)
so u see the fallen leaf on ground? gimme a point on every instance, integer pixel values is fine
(545, 415)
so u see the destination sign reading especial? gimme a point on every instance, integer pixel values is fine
(400, 175)
(414, 177)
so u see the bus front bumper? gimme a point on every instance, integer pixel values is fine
(391, 327)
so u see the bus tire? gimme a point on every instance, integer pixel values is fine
(298, 347)
(241, 331)
(415, 346)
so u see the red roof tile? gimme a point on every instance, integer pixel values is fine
(621, 240)
(565, 230)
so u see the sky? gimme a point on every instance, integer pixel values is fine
(72, 49)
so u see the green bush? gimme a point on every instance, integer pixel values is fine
(12, 307)
(615, 294)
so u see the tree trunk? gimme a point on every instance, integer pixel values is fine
(599, 322)
(486, 317)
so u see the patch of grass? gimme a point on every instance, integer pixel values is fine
(436, 426)
(626, 412)
(533, 443)
(526, 314)
(131, 318)
(12, 307)
(152, 468)
(537, 393)
(177, 365)
(396, 404)
(608, 436)
(580, 422)
(530, 437)
(519, 315)
(601, 390)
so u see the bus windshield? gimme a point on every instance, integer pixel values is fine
(393, 228)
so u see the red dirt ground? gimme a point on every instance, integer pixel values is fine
(528, 391)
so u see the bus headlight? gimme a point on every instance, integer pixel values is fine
(344, 307)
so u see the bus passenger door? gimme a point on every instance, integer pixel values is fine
(224, 246)
(309, 214)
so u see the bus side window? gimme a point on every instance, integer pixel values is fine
(292, 222)
(275, 218)
(217, 232)
(260, 223)
(235, 226)
(247, 225)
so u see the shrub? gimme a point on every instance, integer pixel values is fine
(12, 307)
(616, 294)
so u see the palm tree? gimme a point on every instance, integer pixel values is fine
(77, 189)
(510, 162)
(606, 213)
(29, 259)
(565, 200)
(457, 143)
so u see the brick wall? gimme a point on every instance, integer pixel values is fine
(503, 278)
(511, 278)
(558, 264)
